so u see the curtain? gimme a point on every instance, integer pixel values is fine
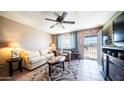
(73, 40)
(58, 39)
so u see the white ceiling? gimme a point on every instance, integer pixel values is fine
(83, 20)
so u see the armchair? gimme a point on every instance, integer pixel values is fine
(67, 54)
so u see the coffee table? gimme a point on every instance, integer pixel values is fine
(54, 61)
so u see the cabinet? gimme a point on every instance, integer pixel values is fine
(113, 63)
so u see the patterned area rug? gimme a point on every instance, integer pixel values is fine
(57, 73)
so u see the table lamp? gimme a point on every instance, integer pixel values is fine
(15, 47)
(52, 47)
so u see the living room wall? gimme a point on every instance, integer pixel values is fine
(29, 38)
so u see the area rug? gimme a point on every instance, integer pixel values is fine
(41, 73)
(57, 73)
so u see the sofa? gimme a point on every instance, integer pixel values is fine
(34, 59)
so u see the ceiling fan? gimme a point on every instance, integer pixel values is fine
(60, 20)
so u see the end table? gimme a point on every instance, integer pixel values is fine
(11, 61)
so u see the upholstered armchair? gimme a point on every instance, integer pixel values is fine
(67, 54)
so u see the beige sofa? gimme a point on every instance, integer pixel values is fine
(34, 59)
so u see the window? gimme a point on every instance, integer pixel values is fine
(65, 41)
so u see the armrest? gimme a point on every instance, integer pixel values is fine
(25, 58)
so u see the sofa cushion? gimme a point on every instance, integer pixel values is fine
(33, 53)
(37, 59)
(43, 51)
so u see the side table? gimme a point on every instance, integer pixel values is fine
(13, 60)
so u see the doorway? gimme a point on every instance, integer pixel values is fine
(90, 47)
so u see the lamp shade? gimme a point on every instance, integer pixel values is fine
(14, 45)
(53, 47)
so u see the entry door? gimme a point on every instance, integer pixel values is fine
(90, 47)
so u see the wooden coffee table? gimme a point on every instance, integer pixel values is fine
(56, 60)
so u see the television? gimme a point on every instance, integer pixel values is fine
(118, 30)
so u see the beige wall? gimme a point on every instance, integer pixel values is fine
(28, 37)
(54, 39)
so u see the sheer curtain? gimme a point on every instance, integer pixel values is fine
(67, 40)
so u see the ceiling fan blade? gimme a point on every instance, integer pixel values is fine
(69, 22)
(63, 15)
(50, 19)
(54, 25)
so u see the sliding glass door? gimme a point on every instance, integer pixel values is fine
(90, 47)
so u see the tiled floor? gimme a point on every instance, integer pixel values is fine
(89, 70)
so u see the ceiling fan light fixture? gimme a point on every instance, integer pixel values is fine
(60, 20)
